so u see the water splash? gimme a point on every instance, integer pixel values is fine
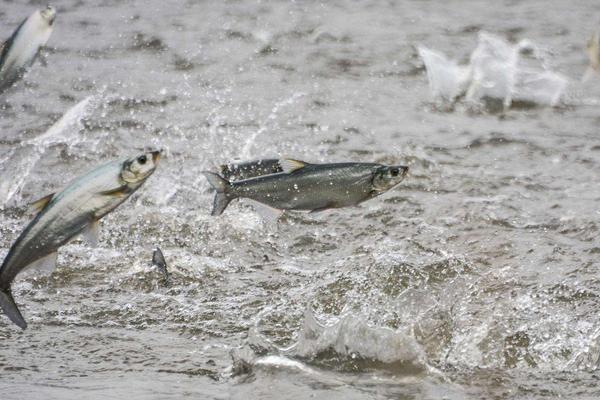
(352, 337)
(496, 70)
(21, 163)
(246, 152)
(349, 342)
(447, 79)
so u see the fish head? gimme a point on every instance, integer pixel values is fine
(48, 14)
(386, 177)
(136, 170)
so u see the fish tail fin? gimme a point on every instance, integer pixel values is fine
(222, 197)
(10, 308)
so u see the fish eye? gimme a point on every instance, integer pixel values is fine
(142, 159)
(394, 171)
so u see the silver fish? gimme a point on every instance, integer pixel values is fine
(313, 187)
(22, 48)
(64, 215)
(250, 169)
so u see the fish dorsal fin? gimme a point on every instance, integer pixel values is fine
(91, 234)
(39, 205)
(290, 165)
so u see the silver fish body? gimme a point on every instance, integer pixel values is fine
(250, 169)
(313, 187)
(21, 49)
(67, 214)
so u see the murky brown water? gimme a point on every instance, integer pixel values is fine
(476, 278)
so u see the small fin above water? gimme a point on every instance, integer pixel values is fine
(10, 308)
(158, 260)
(290, 165)
(39, 205)
(44, 265)
(91, 234)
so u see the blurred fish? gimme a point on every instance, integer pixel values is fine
(250, 169)
(21, 49)
(313, 187)
(62, 216)
(158, 260)
(593, 52)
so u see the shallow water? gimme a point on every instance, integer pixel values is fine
(476, 278)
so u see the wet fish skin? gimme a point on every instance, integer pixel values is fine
(250, 169)
(67, 214)
(312, 187)
(21, 49)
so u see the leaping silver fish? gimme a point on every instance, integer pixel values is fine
(21, 49)
(312, 187)
(62, 216)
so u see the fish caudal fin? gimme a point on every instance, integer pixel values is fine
(10, 308)
(222, 197)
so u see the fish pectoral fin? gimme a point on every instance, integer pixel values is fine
(39, 205)
(118, 192)
(44, 265)
(91, 234)
(290, 165)
(320, 209)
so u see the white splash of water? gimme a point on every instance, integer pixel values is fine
(62, 131)
(447, 79)
(246, 150)
(495, 71)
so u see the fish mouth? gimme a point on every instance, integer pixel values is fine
(156, 155)
(49, 14)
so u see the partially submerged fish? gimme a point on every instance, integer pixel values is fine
(158, 260)
(593, 51)
(250, 169)
(21, 49)
(313, 187)
(64, 215)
